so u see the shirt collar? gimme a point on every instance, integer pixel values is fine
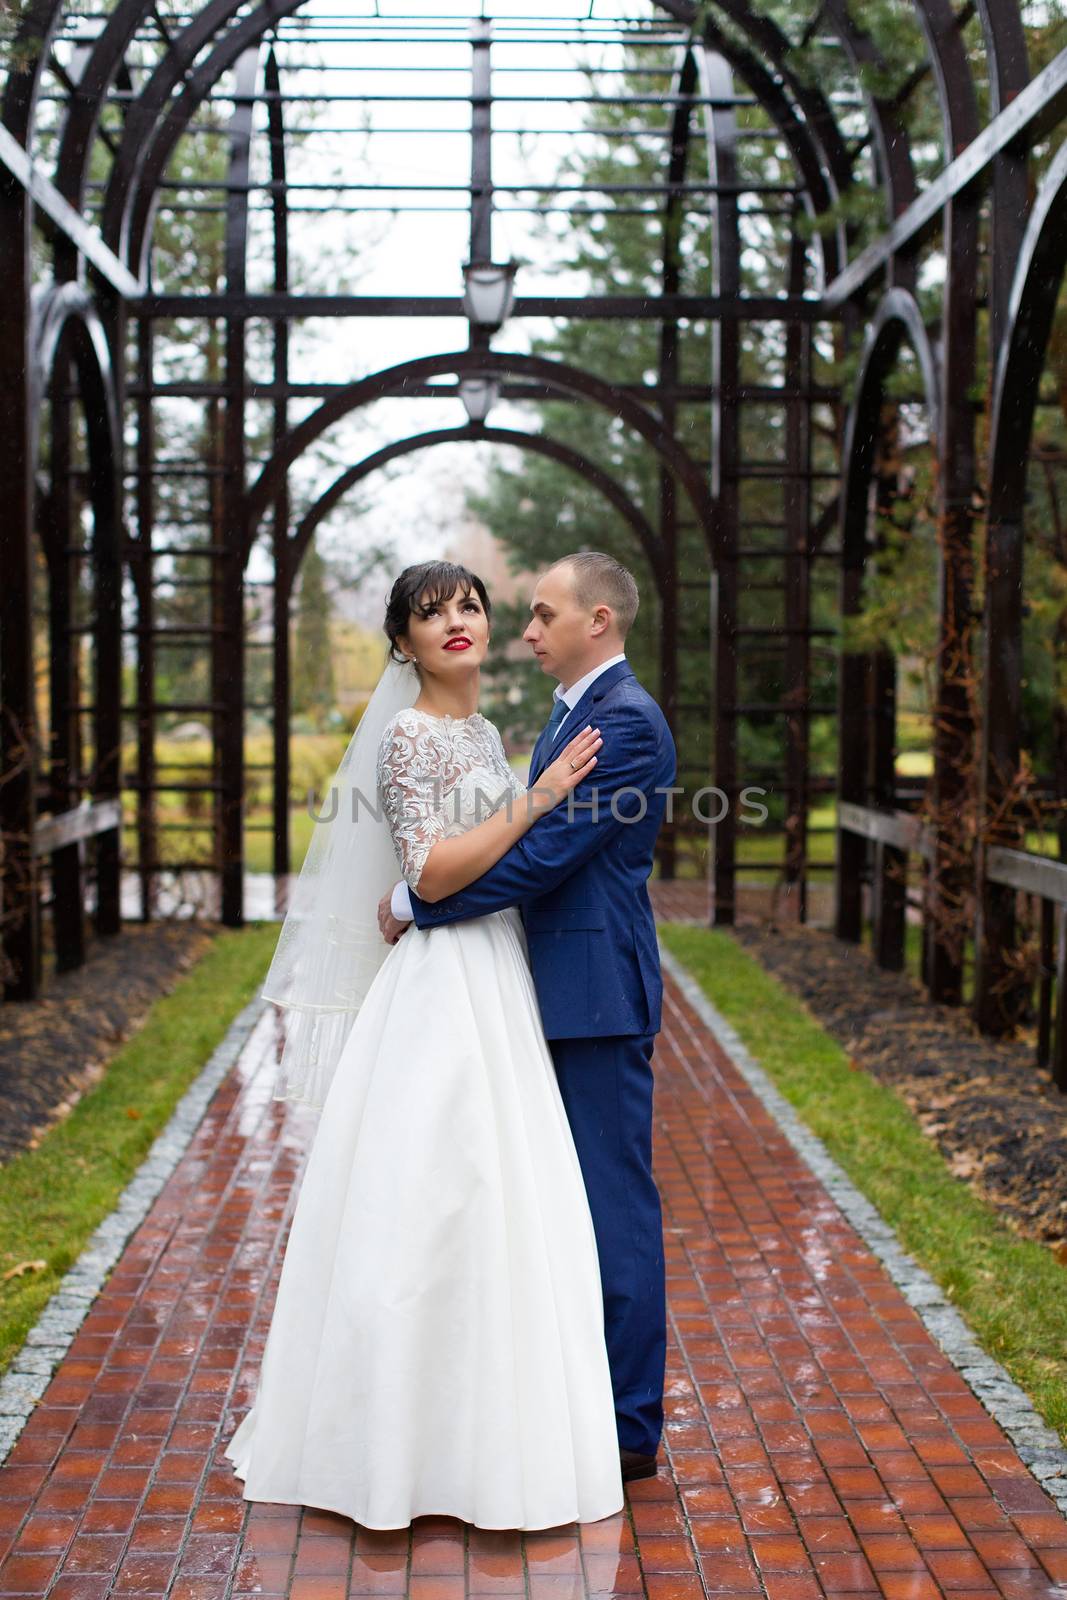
(576, 690)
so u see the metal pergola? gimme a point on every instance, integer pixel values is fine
(100, 104)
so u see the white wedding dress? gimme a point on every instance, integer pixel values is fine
(437, 1343)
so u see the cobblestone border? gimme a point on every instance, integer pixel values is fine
(52, 1335)
(1037, 1444)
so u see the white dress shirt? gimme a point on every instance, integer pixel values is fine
(400, 901)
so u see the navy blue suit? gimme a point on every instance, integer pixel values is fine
(580, 877)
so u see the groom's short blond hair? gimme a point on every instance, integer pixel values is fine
(599, 579)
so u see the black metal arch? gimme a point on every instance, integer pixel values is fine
(770, 44)
(538, 443)
(66, 329)
(133, 239)
(150, 104)
(898, 321)
(887, 129)
(814, 135)
(555, 375)
(956, 480)
(1028, 325)
(157, 122)
(55, 309)
(1005, 41)
(805, 150)
(1035, 289)
(83, 120)
(866, 683)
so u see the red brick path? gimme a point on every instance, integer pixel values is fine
(818, 1443)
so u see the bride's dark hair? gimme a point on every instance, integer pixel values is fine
(429, 583)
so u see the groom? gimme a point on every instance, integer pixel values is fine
(580, 878)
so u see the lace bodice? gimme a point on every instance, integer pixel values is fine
(437, 777)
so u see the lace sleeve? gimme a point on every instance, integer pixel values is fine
(409, 788)
(506, 769)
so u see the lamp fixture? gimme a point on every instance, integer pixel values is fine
(489, 292)
(479, 396)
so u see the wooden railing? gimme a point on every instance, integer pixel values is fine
(1044, 880)
(895, 835)
(82, 822)
(898, 834)
(60, 837)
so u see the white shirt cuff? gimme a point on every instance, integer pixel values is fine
(400, 903)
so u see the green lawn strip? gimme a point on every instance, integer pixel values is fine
(53, 1197)
(1011, 1291)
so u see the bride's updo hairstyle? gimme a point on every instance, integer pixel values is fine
(418, 588)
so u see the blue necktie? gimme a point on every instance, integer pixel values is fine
(559, 710)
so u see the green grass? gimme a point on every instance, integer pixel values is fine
(53, 1197)
(259, 845)
(1012, 1291)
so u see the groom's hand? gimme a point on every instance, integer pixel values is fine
(391, 929)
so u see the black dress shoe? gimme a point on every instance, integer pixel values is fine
(634, 1465)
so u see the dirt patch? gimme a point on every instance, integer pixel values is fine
(54, 1048)
(997, 1118)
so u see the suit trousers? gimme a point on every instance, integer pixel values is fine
(607, 1087)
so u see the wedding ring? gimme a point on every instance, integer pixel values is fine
(575, 765)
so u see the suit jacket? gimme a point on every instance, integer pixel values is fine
(580, 874)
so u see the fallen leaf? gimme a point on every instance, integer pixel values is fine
(24, 1266)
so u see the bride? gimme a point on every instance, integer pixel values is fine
(437, 1342)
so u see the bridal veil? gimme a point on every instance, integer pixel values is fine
(330, 946)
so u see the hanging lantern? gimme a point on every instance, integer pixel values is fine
(489, 292)
(479, 396)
